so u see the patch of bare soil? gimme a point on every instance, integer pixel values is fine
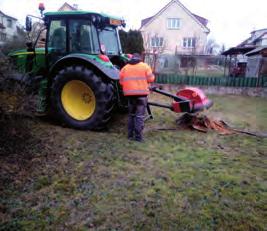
(18, 148)
(21, 148)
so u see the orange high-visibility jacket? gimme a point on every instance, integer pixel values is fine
(135, 79)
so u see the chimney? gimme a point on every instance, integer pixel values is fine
(75, 6)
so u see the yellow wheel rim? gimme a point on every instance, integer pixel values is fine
(78, 100)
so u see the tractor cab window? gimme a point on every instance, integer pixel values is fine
(83, 37)
(57, 37)
(109, 40)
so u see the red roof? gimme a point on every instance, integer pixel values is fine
(202, 20)
(146, 20)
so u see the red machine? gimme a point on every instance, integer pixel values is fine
(188, 100)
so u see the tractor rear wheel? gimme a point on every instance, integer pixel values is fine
(81, 99)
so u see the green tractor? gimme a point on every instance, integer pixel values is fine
(78, 69)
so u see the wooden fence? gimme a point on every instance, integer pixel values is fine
(211, 81)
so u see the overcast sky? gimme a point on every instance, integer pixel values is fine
(230, 21)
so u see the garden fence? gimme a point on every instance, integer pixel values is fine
(211, 81)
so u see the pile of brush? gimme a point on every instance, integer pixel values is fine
(204, 124)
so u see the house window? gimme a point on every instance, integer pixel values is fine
(2, 37)
(9, 23)
(157, 41)
(173, 23)
(189, 42)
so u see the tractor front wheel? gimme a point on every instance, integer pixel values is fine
(81, 99)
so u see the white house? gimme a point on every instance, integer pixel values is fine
(175, 30)
(67, 7)
(8, 27)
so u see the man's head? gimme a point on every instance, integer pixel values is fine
(136, 58)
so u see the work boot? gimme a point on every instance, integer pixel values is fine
(139, 126)
(130, 137)
(141, 140)
(139, 137)
(131, 125)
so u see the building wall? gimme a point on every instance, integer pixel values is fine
(253, 66)
(264, 40)
(65, 8)
(173, 38)
(10, 29)
(258, 42)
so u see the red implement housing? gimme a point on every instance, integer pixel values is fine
(197, 101)
(189, 100)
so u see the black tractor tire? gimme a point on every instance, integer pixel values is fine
(103, 94)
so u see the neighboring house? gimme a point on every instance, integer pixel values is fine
(8, 27)
(257, 38)
(67, 7)
(257, 62)
(175, 30)
(248, 54)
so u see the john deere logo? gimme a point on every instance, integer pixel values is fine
(86, 98)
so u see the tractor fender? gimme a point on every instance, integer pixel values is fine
(91, 61)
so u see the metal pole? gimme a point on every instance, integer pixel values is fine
(259, 71)
(225, 60)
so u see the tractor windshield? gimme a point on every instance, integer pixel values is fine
(109, 40)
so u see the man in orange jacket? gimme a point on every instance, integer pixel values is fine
(135, 78)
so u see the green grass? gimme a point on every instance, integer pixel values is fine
(176, 180)
(218, 72)
(213, 71)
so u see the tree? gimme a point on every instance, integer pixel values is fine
(211, 47)
(37, 27)
(154, 46)
(159, 40)
(18, 41)
(222, 49)
(131, 41)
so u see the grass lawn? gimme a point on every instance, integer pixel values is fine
(211, 72)
(177, 180)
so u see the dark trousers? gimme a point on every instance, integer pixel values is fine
(137, 108)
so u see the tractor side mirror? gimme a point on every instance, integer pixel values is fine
(28, 24)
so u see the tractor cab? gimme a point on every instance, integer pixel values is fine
(82, 32)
